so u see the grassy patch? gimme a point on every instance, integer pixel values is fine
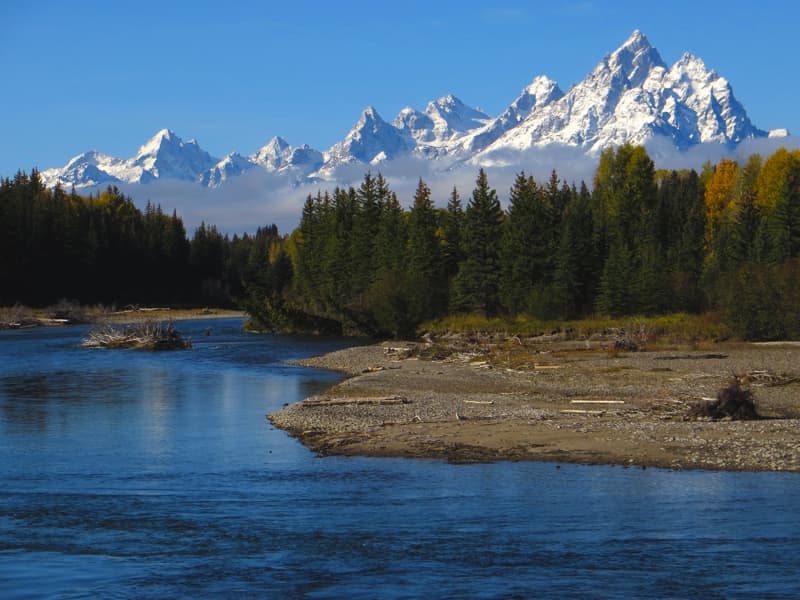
(635, 332)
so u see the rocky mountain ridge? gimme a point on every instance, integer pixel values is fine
(632, 95)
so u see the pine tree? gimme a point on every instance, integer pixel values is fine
(616, 296)
(338, 265)
(625, 202)
(452, 228)
(426, 288)
(390, 241)
(310, 244)
(383, 307)
(575, 279)
(477, 282)
(526, 244)
(366, 221)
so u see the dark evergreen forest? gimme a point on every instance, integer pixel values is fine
(642, 241)
(102, 249)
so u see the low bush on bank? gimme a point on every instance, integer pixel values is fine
(13, 317)
(69, 311)
(676, 328)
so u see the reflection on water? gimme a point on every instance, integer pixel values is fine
(30, 400)
(126, 474)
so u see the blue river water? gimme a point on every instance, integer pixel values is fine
(126, 474)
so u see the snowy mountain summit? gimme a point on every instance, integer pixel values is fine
(630, 96)
(633, 96)
(164, 156)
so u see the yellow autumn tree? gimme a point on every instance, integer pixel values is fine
(773, 177)
(720, 195)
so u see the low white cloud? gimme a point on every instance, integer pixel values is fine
(258, 198)
(667, 157)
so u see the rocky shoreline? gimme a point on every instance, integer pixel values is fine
(554, 400)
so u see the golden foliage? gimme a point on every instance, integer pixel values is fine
(773, 177)
(720, 191)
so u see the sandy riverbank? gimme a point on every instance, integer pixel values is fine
(564, 402)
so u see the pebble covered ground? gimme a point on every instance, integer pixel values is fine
(555, 401)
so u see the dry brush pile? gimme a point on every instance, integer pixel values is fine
(148, 335)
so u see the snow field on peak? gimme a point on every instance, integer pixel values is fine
(630, 96)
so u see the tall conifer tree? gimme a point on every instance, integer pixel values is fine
(453, 225)
(525, 252)
(476, 286)
(426, 285)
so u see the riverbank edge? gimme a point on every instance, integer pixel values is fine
(125, 317)
(393, 405)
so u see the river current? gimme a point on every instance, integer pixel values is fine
(129, 474)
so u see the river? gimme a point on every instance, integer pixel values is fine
(128, 474)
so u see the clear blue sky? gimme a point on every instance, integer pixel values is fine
(106, 75)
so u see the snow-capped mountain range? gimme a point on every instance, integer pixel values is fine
(630, 96)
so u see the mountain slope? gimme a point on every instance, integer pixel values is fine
(164, 156)
(370, 141)
(632, 95)
(438, 131)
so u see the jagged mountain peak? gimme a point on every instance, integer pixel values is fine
(451, 105)
(278, 142)
(689, 58)
(231, 157)
(637, 40)
(445, 122)
(539, 92)
(452, 118)
(272, 151)
(539, 84)
(693, 67)
(161, 137)
(416, 123)
(369, 115)
(92, 156)
(445, 101)
(232, 165)
(370, 123)
(630, 96)
(164, 133)
(448, 103)
(370, 139)
(167, 155)
(636, 49)
(408, 114)
(277, 154)
(632, 61)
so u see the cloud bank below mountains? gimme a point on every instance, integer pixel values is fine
(259, 198)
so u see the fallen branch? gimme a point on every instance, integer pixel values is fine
(597, 401)
(692, 357)
(381, 400)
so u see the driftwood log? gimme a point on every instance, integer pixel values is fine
(732, 402)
